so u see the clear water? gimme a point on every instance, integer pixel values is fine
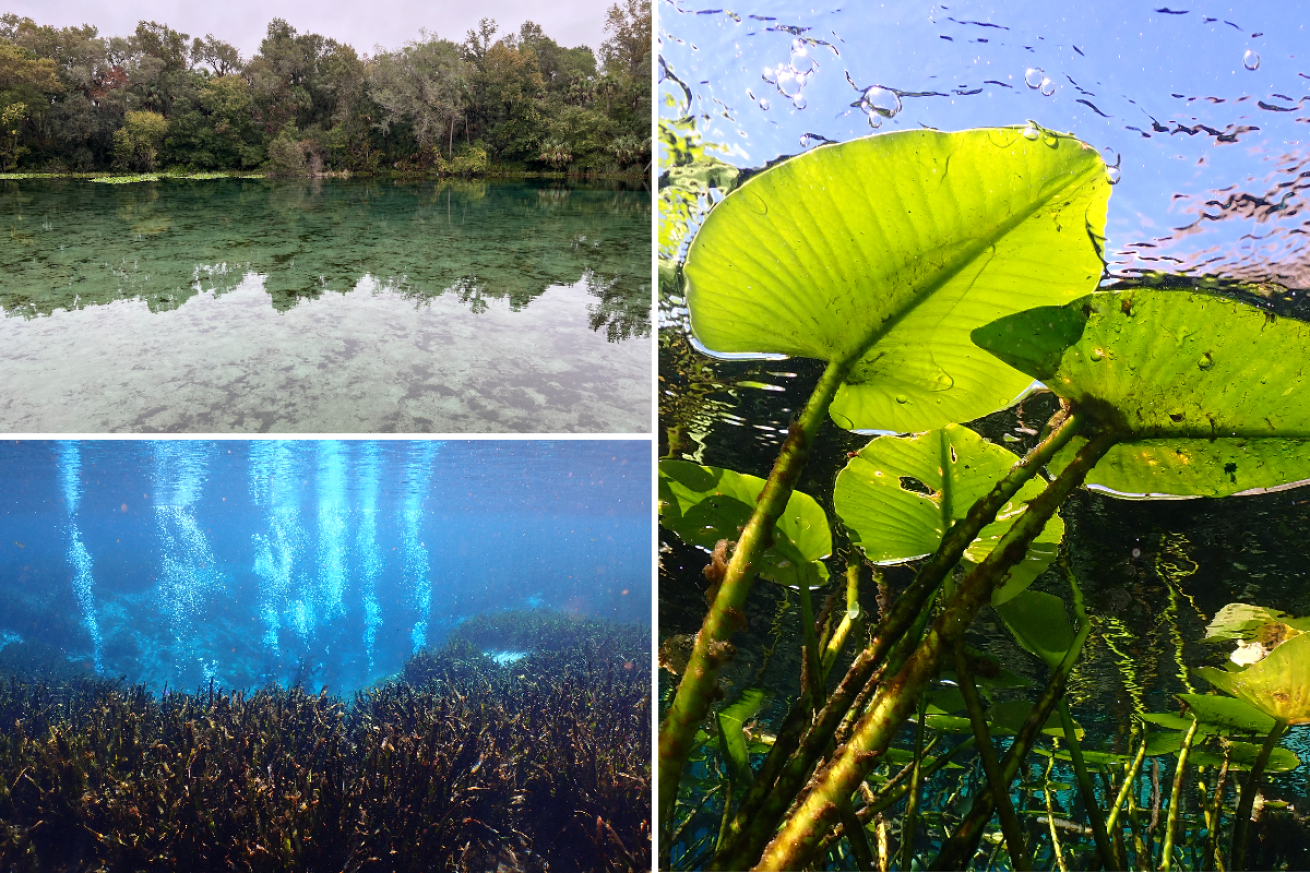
(176, 562)
(350, 306)
(1202, 111)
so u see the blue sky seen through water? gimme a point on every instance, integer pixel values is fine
(175, 561)
(1203, 107)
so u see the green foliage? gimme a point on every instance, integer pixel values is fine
(1208, 392)
(286, 157)
(704, 505)
(895, 250)
(899, 495)
(1040, 625)
(503, 95)
(1278, 685)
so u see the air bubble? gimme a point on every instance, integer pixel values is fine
(1112, 175)
(1251, 60)
(799, 101)
(1034, 77)
(764, 103)
(1031, 132)
(805, 140)
(1047, 87)
(788, 83)
(882, 101)
(769, 76)
(875, 120)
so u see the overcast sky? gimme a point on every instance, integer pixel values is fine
(389, 23)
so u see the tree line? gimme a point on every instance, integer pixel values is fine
(74, 101)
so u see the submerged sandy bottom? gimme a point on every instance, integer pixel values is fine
(367, 361)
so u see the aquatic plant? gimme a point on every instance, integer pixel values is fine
(937, 275)
(545, 765)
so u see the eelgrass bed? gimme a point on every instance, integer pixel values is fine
(461, 764)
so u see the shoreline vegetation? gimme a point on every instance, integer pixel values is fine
(159, 103)
(459, 762)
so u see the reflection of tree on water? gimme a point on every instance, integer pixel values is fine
(166, 242)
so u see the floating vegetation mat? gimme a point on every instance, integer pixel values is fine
(457, 764)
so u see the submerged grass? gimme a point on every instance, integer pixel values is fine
(462, 764)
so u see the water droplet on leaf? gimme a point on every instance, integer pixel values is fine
(901, 398)
(1031, 132)
(1206, 362)
(1098, 354)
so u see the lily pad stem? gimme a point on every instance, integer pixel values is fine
(1176, 800)
(1237, 856)
(816, 812)
(696, 691)
(1010, 827)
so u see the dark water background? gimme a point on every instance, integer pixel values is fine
(327, 306)
(326, 562)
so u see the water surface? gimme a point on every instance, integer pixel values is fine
(323, 306)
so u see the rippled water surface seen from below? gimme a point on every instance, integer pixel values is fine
(323, 306)
(1202, 114)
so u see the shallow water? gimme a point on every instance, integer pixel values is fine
(324, 306)
(1201, 111)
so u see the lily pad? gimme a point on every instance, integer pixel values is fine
(1008, 717)
(1242, 755)
(1242, 621)
(899, 495)
(703, 505)
(1227, 713)
(1211, 395)
(1278, 686)
(1039, 624)
(732, 721)
(889, 250)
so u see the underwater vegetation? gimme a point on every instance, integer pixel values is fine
(937, 276)
(459, 764)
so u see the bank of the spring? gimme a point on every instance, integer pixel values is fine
(460, 763)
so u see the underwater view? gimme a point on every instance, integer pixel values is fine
(324, 305)
(985, 437)
(272, 655)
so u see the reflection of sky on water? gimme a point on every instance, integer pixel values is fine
(1212, 153)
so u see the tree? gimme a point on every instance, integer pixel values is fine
(136, 144)
(222, 58)
(628, 26)
(422, 84)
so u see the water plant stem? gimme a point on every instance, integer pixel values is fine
(691, 702)
(1125, 789)
(907, 611)
(1176, 800)
(816, 812)
(1237, 854)
(1086, 790)
(960, 848)
(1010, 827)
(1213, 857)
(910, 821)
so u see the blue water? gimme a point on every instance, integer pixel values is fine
(328, 563)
